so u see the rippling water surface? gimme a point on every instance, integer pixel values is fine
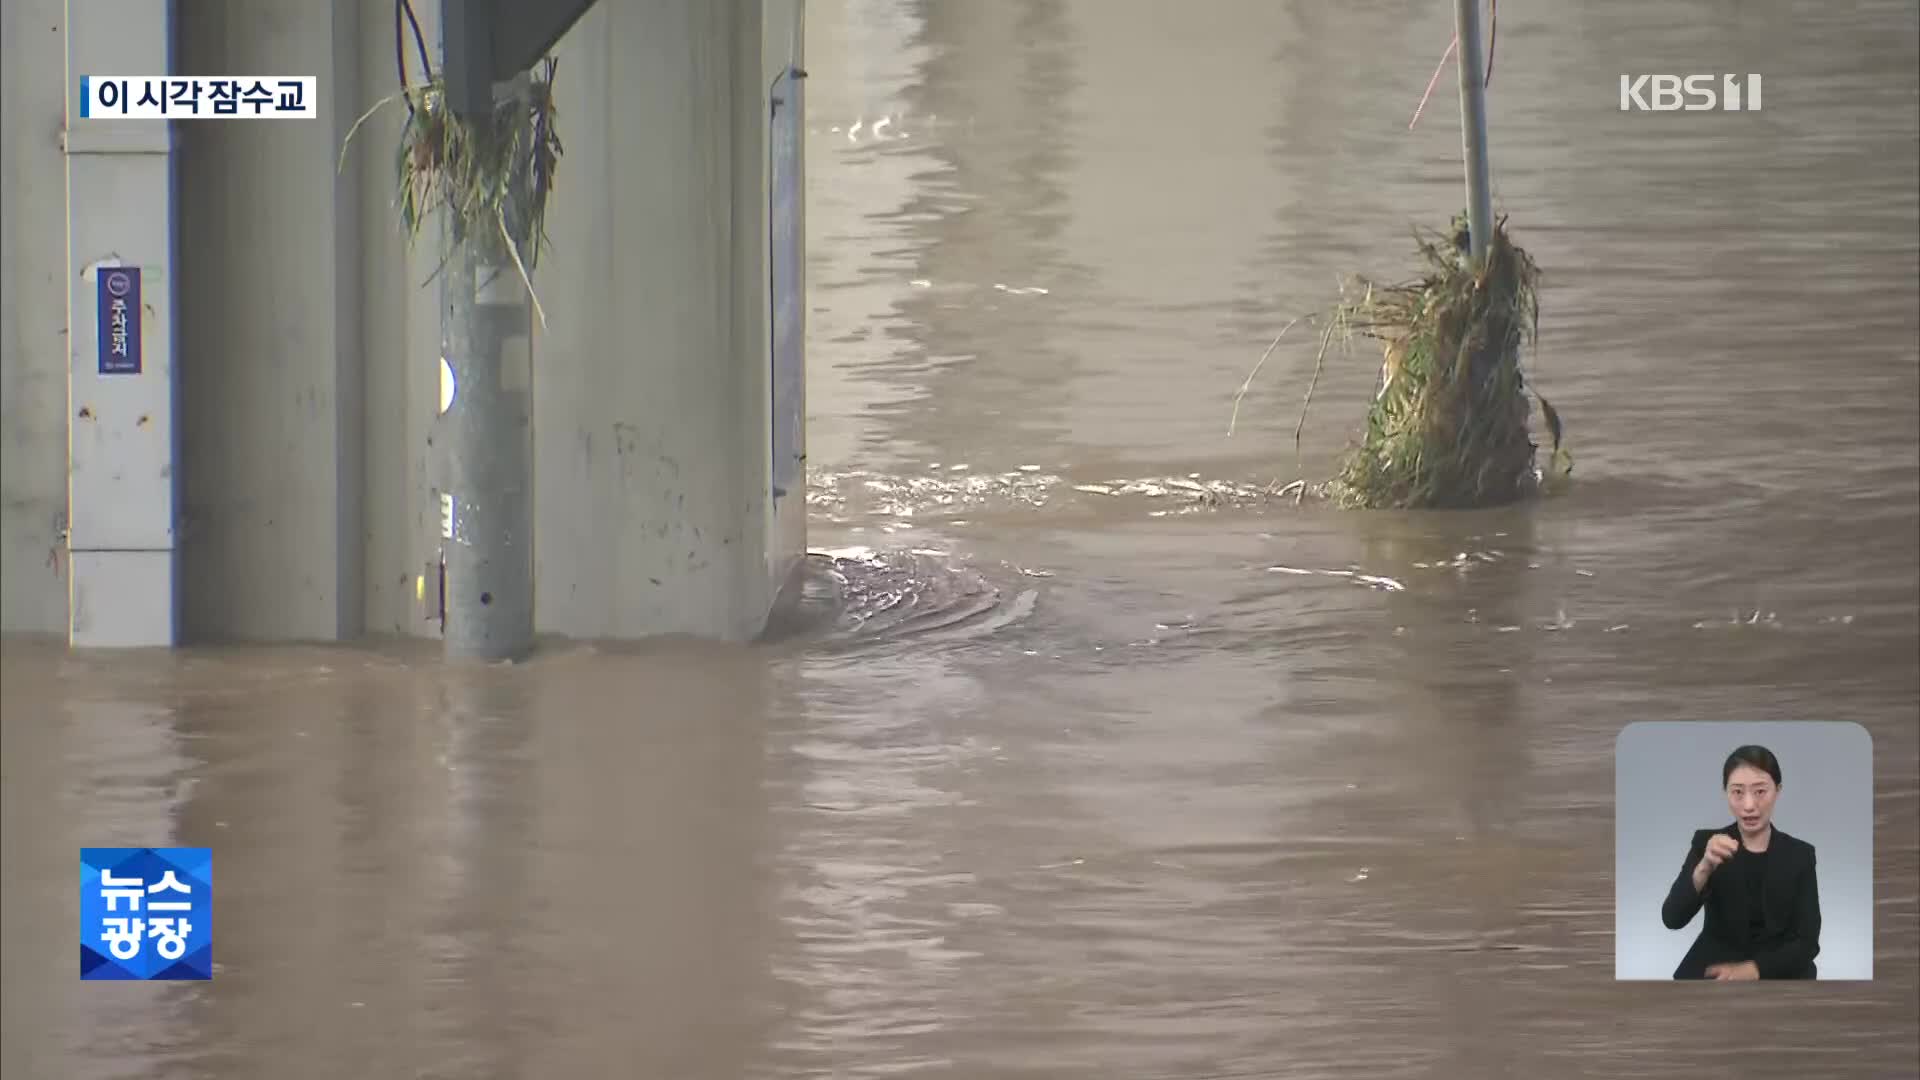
(1100, 756)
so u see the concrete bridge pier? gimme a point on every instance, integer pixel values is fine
(123, 570)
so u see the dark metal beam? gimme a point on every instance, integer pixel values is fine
(467, 35)
(489, 41)
(526, 30)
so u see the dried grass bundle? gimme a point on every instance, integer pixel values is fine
(491, 174)
(1449, 425)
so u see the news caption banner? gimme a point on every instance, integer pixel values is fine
(174, 97)
(146, 914)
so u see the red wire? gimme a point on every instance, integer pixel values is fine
(1493, 35)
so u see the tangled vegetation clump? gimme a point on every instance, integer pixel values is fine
(1448, 428)
(491, 174)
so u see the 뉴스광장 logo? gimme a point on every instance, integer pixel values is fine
(146, 913)
(1689, 93)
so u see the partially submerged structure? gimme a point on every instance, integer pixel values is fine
(281, 462)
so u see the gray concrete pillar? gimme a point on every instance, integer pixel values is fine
(654, 383)
(120, 319)
(273, 383)
(35, 356)
(401, 344)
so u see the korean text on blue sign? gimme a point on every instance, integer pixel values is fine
(201, 97)
(146, 913)
(119, 289)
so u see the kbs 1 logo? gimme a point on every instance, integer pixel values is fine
(1689, 93)
(146, 913)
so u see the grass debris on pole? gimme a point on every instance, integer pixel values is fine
(491, 174)
(1449, 426)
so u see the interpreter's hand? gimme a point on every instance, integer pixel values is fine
(1743, 971)
(1720, 848)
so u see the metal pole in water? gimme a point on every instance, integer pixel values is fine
(1473, 126)
(486, 507)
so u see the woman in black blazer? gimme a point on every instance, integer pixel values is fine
(1756, 882)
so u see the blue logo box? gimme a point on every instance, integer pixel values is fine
(146, 913)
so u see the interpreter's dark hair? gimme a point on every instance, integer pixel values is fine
(1757, 756)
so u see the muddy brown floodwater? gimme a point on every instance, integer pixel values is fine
(1071, 782)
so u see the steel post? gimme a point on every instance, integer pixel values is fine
(1473, 126)
(486, 432)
